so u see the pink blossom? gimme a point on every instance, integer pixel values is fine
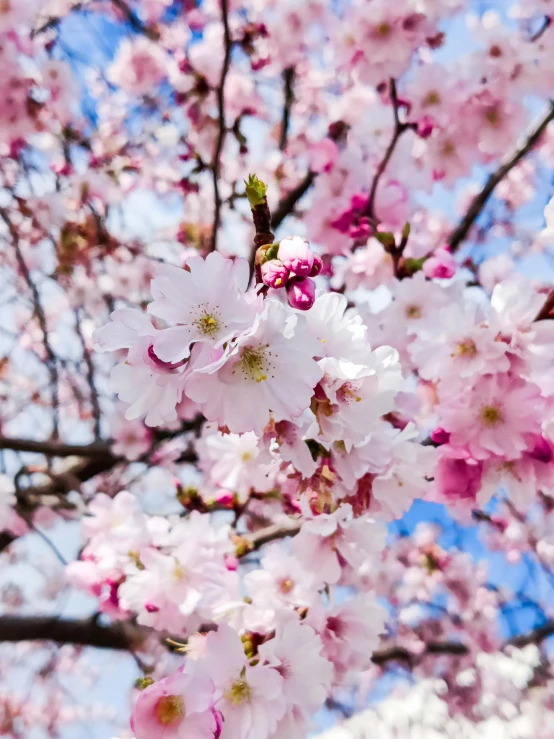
(270, 370)
(251, 698)
(179, 706)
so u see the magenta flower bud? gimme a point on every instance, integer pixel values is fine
(274, 273)
(441, 265)
(301, 294)
(542, 450)
(359, 201)
(296, 255)
(440, 436)
(425, 126)
(225, 498)
(361, 230)
(231, 562)
(317, 266)
(343, 222)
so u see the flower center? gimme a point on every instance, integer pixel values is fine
(208, 324)
(491, 415)
(239, 692)
(169, 710)
(254, 363)
(349, 392)
(5, 6)
(492, 116)
(413, 311)
(465, 348)
(286, 586)
(179, 572)
(433, 98)
(384, 30)
(448, 149)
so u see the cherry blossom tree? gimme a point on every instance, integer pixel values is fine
(276, 369)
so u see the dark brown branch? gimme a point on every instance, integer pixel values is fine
(288, 80)
(136, 24)
(127, 637)
(458, 236)
(401, 654)
(222, 129)
(55, 448)
(288, 203)
(547, 308)
(84, 632)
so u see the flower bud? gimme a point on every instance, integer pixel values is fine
(301, 294)
(274, 273)
(441, 265)
(359, 201)
(296, 255)
(440, 436)
(425, 126)
(225, 498)
(317, 266)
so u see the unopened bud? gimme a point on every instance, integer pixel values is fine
(301, 294)
(317, 266)
(274, 273)
(296, 255)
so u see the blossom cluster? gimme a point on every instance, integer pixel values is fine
(284, 400)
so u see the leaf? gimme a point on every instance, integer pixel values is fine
(255, 190)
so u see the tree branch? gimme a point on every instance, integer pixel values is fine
(547, 308)
(222, 129)
(288, 203)
(288, 79)
(480, 200)
(55, 448)
(271, 533)
(83, 632)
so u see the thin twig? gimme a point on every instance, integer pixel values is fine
(545, 24)
(547, 308)
(222, 129)
(39, 314)
(136, 24)
(399, 129)
(458, 236)
(96, 412)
